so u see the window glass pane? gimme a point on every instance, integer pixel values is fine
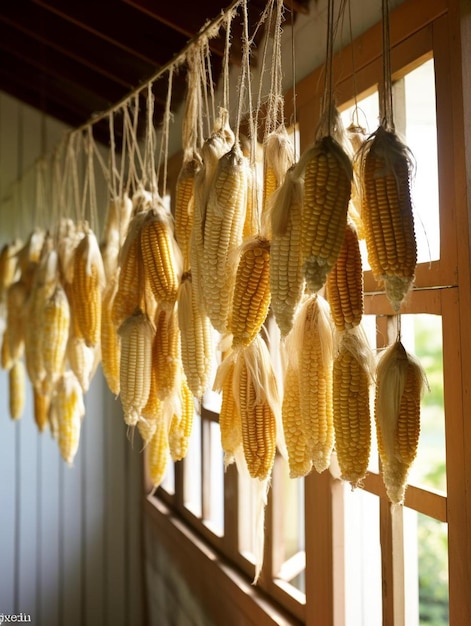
(192, 475)
(214, 513)
(421, 138)
(168, 483)
(363, 604)
(422, 336)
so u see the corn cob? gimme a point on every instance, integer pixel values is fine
(17, 295)
(184, 207)
(130, 294)
(17, 384)
(196, 336)
(135, 368)
(278, 158)
(166, 352)
(69, 409)
(151, 413)
(223, 227)
(41, 405)
(8, 266)
(345, 283)
(55, 333)
(313, 343)
(7, 361)
(33, 250)
(400, 381)
(252, 222)
(256, 396)
(229, 418)
(286, 273)
(181, 423)
(114, 232)
(387, 214)
(327, 189)
(160, 255)
(82, 360)
(357, 137)
(251, 298)
(109, 339)
(158, 453)
(351, 404)
(299, 461)
(87, 284)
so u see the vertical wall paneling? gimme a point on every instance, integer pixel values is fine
(70, 537)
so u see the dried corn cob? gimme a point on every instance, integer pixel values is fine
(158, 453)
(82, 360)
(286, 273)
(229, 417)
(151, 413)
(136, 334)
(351, 404)
(345, 283)
(114, 232)
(68, 407)
(181, 423)
(257, 402)
(184, 207)
(278, 158)
(224, 222)
(327, 189)
(87, 285)
(400, 381)
(55, 333)
(387, 213)
(41, 407)
(8, 266)
(17, 295)
(251, 299)
(109, 339)
(7, 361)
(166, 352)
(17, 389)
(196, 336)
(161, 257)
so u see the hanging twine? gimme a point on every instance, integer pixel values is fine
(387, 96)
(166, 132)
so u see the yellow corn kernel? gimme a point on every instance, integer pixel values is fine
(224, 221)
(161, 258)
(41, 405)
(166, 352)
(87, 285)
(314, 347)
(184, 207)
(196, 338)
(181, 423)
(55, 333)
(327, 190)
(400, 381)
(137, 333)
(257, 403)
(109, 339)
(286, 273)
(68, 410)
(351, 405)
(251, 299)
(17, 389)
(345, 283)
(299, 460)
(387, 214)
(158, 453)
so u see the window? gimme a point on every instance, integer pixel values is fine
(332, 552)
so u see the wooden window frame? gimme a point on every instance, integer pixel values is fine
(420, 29)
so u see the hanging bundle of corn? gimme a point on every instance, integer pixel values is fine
(351, 405)
(116, 225)
(109, 338)
(166, 352)
(131, 291)
(17, 389)
(386, 211)
(184, 207)
(286, 274)
(55, 333)
(400, 381)
(223, 227)
(161, 258)
(86, 289)
(196, 338)
(214, 148)
(251, 299)
(137, 333)
(310, 353)
(345, 283)
(68, 410)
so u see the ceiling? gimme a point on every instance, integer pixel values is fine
(74, 58)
